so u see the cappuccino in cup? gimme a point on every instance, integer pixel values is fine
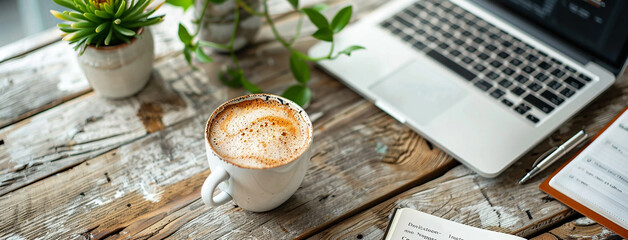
(258, 149)
(259, 133)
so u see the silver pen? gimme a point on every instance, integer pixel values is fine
(555, 155)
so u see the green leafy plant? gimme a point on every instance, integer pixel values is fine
(233, 76)
(104, 22)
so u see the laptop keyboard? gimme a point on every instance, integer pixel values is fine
(511, 72)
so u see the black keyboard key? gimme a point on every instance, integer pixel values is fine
(403, 21)
(518, 91)
(459, 41)
(496, 63)
(521, 78)
(490, 47)
(573, 70)
(482, 30)
(503, 54)
(497, 93)
(538, 103)
(519, 50)
(551, 97)
(478, 40)
(558, 73)
(492, 75)
(542, 54)
(522, 108)
(554, 60)
(506, 43)
(419, 31)
(483, 85)
(574, 83)
(447, 35)
(534, 86)
(554, 85)
(455, 52)
(431, 38)
(385, 24)
(567, 92)
(505, 83)
(436, 28)
(443, 45)
(419, 45)
(483, 56)
(584, 77)
(532, 118)
(466, 33)
(451, 65)
(493, 36)
(396, 31)
(508, 71)
(541, 77)
(507, 102)
(410, 13)
(528, 69)
(471, 49)
(480, 67)
(532, 57)
(406, 38)
(454, 26)
(545, 65)
(515, 62)
(467, 60)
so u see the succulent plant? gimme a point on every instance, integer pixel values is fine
(104, 22)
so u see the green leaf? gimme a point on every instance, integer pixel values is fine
(120, 10)
(102, 26)
(124, 31)
(324, 34)
(250, 87)
(316, 18)
(184, 35)
(294, 3)
(230, 77)
(218, 1)
(320, 7)
(201, 56)
(102, 14)
(347, 51)
(202, 43)
(300, 69)
(341, 19)
(67, 3)
(109, 36)
(188, 54)
(299, 94)
(185, 4)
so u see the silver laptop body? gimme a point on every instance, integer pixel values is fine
(449, 107)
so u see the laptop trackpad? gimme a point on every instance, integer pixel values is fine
(418, 92)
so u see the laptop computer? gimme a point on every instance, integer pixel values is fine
(484, 80)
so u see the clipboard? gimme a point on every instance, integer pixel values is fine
(623, 232)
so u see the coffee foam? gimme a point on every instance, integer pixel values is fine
(259, 133)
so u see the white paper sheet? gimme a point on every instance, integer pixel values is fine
(410, 224)
(598, 177)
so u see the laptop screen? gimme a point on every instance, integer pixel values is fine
(598, 26)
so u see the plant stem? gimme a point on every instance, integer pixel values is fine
(248, 9)
(236, 21)
(200, 18)
(283, 42)
(296, 35)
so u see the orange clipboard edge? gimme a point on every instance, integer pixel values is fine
(576, 205)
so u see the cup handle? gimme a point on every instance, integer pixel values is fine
(217, 176)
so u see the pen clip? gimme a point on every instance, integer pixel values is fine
(545, 154)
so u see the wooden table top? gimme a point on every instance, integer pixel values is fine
(74, 165)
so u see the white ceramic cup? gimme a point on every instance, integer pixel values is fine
(254, 189)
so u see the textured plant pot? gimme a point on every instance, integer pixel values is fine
(217, 23)
(122, 70)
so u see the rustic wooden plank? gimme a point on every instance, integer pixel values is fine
(29, 44)
(49, 76)
(581, 228)
(496, 204)
(358, 150)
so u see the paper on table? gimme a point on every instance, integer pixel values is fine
(410, 224)
(598, 177)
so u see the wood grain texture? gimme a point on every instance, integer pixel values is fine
(581, 228)
(496, 204)
(50, 75)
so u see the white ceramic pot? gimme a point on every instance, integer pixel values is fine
(122, 70)
(217, 23)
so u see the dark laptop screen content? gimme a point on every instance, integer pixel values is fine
(598, 26)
